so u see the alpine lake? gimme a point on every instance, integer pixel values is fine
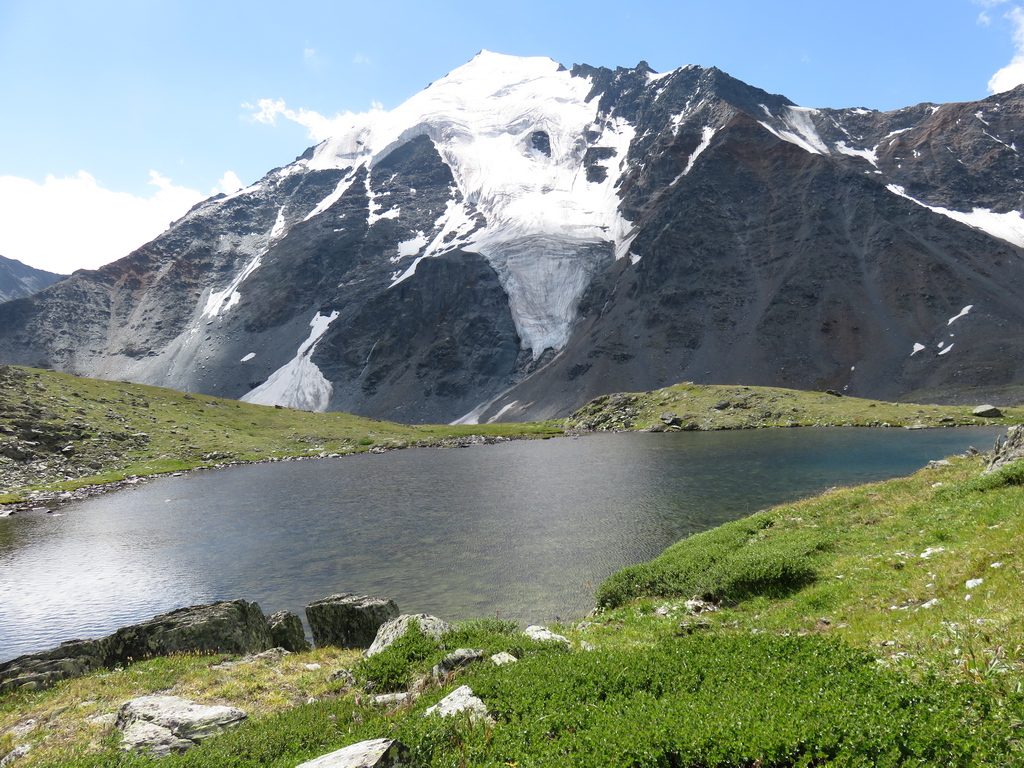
(524, 529)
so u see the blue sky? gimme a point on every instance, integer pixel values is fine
(119, 115)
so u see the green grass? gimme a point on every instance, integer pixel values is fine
(702, 407)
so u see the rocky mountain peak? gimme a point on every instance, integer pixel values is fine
(520, 237)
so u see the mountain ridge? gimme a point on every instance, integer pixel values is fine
(18, 279)
(519, 238)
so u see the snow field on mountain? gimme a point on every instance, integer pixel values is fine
(512, 130)
(298, 383)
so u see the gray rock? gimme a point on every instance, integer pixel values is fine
(286, 632)
(388, 699)
(164, 724)
(535, 632)
(1008, 448)
(41, 670)
(141, 736)
(233, 626)
(987, 412)
(458, 701)
(348, 620)
(457, 659)
(502, 658)
(229, 626)
(391, 630)
(376, 753)
(15, 754)
(670, 419)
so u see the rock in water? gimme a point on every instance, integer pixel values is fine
(431, 626)
(376, 753)
(286, 632)
(165, 724)
(348, 620)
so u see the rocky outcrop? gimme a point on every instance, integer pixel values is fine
(1008, 448)
(431, 626)
(160, 725)
(375, 753)
(235, 626)
(348, 620)
(286, 632)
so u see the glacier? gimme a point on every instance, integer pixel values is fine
(512, 130)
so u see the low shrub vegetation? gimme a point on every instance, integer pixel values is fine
(731, 562)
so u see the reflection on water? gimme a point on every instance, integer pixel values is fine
(526, 529)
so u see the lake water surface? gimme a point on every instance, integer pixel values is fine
(523, 529)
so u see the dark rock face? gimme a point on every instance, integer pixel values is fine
(348, 620)
(286, 632)
(17, 279)
(234, 626)
(748, 241)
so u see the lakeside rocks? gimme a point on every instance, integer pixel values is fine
(431, 626)
(457, 659)
(348, 620)
(235, 626)
(286, 632)
(229, 626)
(461, 700)
(987, 412)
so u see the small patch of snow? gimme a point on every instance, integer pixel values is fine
(963, 313)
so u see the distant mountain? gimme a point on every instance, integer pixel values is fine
(518, 238)
(17, 279)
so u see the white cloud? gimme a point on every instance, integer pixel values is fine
(360, 60)
(1012, 74)
(319, 127)
(228, 184)
(73, 223)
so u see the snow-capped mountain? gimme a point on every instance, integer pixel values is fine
(519, 237)
(17, 279)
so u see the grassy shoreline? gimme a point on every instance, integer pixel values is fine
(63, 437)
(888, 639)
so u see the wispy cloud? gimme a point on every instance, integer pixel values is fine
(361, 60)
(320, 127)
(73, 223)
